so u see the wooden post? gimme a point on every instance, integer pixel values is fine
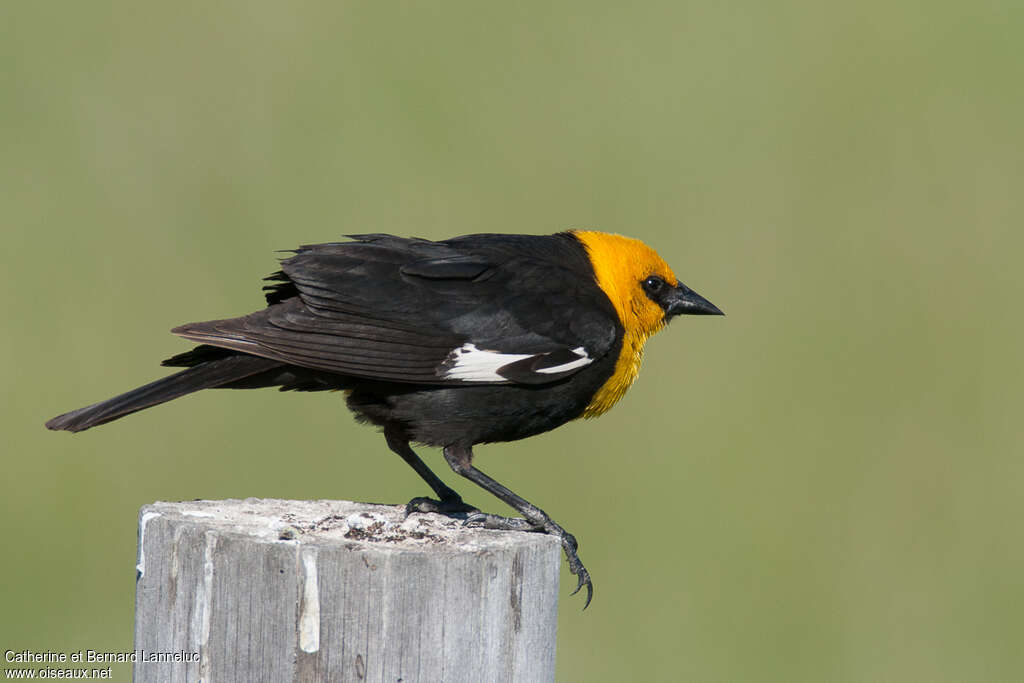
(275, 590)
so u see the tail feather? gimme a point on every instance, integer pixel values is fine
(207, 375)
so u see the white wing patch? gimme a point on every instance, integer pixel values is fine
(584, 359)
(470, 364)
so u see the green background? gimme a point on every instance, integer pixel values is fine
(825, 485)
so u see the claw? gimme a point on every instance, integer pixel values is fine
(584, 580)
(569, 545)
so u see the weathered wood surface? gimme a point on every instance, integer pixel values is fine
(272, 590)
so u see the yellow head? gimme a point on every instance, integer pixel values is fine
(645, 293)
(621, 265)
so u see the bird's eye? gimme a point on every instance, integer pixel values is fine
(653, 284)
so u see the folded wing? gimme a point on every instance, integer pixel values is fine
(483, 309)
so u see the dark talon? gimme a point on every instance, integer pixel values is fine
(576, 566)
(584, 580)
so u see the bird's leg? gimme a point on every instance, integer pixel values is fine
(448, 502)
(460, 460)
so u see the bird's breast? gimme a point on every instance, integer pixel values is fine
(627, 367)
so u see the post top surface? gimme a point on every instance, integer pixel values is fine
(337, 523)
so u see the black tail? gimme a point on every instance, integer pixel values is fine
(219, 372)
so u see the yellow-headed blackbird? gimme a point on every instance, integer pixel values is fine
(471, 340)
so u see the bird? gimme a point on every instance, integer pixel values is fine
(471, 340)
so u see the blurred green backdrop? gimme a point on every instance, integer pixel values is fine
(824, 485)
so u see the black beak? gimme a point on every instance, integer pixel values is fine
(684, 301)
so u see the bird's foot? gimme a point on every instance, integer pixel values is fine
(452, 507)
(569, 544)
(487, 521)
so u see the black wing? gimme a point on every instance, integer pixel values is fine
(476, 309)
